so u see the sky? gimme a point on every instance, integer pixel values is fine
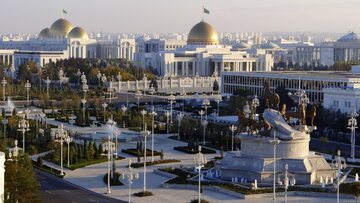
(170, 16)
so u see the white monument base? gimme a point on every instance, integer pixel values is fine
(255, 161)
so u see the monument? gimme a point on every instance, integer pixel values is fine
(256, 160)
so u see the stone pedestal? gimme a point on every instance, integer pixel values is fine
(256, 161)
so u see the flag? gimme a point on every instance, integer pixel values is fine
(206, 11)
(64, 12)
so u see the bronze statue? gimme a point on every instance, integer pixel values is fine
(272, 99)
(243, 122)
(312, 113)
(300, 114)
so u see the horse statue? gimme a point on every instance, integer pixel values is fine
(272, 99)
(300, 114)
(243, 122)
(312, 113)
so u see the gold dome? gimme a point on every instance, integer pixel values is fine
(78, 32)
(45, 33)
(203, 34)
(60, 28)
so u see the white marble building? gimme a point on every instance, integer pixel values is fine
(202, 55)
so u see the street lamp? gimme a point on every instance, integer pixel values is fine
(4, 122)
(206, 104)
(130, 176)
(286, 176)
(127, 96)
(183, 94)
(152, 91)
(104, 105)
(275, 142)
(4, 83)
(99, 77)
(78, 74)
(145, 133)
(167, 114)
(218, 99)
(143, 113)
(232, 128)
(61, 134)
(83, 101)
(124, 109)
(254, 104)
(27, 86)
(204, 123)
(23, 128)
(199, 161)
(352, 125)
(103, 78)
(202, 112)
(138, 95)
(68, 139)
(47, 82)
(37, 119)
(172, 99)
(153, 114)
(339, 164)
(179, 117)
(109, 148)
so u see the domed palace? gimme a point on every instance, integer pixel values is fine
(204, 55)
(347, 48)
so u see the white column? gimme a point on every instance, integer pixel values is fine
(2, 176)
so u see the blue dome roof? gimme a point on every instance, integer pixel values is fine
(350, 37)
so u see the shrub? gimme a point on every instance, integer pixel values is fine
(143, 194)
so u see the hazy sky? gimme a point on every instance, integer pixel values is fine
(180, 15)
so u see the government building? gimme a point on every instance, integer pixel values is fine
(201, 55)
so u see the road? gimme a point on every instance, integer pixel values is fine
(331, 146)
(56, 190)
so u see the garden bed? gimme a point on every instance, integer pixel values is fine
(190, 150)
(156, 162)
(113, 181)
(143, 194)
(47, 169)
(134, 151)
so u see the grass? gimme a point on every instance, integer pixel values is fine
(190, 150)
(133, 151)
(113, 181)
(47, 169)
(156, 162)
(143, 194)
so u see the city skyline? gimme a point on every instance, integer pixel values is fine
(158, 16)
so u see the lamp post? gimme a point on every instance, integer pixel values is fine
(124, 109)
(61, 134)
(274, 141)
(152, 91)
(204, 123)
(104, 105)
(232, 128)
(339, 164)
(352, 125)
(130, 176)
(153, 114)
(218, 99)
(145, 133)
(254, 104)
(23, 128)
(138, 95)
(167, 114)
(78, 74)
(286, 176)
(127, 96)
(27, 86)
(179, 118)
(172, 99)
(4, 122)
(183, 94)
(47, 82)
(143, 113)
(103, 79)
(109, 148)
(98, 75)
(206, 104)
(68, 139)
(37, 119)
(83, 101)
(4, 83)
(199, 161)
(202, 112)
